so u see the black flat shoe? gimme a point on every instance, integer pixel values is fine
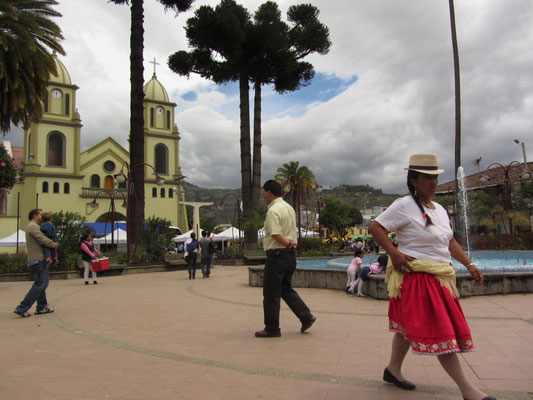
(405, 385)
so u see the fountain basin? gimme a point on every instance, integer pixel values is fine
(504, 276)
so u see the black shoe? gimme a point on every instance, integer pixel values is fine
(484, 398)
(86, 282)
(23, 314)
(307, 323)
(95, 282)
(265, 334)
(405, 385)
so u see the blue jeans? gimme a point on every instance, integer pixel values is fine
(38, 290)
(206, 266)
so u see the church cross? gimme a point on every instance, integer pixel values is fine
(155, 63)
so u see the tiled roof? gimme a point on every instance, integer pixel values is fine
(496, 175)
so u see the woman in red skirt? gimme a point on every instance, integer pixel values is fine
(424, 310)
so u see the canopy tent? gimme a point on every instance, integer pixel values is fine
(182, 238)
(11, 240)
(119, 236)
(229, 234)
(305, 233)
(104, 228)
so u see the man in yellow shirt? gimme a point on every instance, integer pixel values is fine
(279, 244)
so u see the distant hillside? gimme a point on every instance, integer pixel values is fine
(361, 196)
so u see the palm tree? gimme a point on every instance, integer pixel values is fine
(299, 185)
(136, 176)
(457, 79)
(27, 34)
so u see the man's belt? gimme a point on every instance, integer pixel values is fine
(282, 249)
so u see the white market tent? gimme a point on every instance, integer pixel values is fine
(119, 236)
(229, 234)
(11, 240)
(182, 238)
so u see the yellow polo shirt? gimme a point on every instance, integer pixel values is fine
(280, 220)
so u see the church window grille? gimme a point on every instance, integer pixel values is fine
(95, 181)
(56, 150)
(161, 159)
(45, 187)
(154, 192)
(168, 119)
(67, 104)
(151, 116)
(56, 187)
(170, 194)
(46, 105)
(29, 146)
(66, 188)
(162, 192)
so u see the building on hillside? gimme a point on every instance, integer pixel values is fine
(56, 175)
(502, 184)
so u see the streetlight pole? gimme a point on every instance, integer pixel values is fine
(239, 207)
(523, 151)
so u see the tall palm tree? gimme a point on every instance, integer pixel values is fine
(457, 79)
(298, 182)
(136, 196)
(27, 37)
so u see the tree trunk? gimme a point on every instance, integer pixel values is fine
(246, 161)
(457, 79)
(256, 181)
(136, 176)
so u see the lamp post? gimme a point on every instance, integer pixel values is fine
(523, 151)
(238, 209)
(507, 183)
(112, 210)
(122, 177)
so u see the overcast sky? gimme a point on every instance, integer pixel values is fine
(384, 91)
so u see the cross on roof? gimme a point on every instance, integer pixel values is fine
(155, 63)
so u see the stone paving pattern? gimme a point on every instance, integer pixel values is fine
(162, 336)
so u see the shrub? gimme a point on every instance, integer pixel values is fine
(156, 237)
(70, 229)
(13, 263)
(311, 244)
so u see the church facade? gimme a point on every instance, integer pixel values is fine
(58, 176)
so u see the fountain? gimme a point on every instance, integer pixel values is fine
(462, 199)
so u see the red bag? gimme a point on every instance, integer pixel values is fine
(100, 264)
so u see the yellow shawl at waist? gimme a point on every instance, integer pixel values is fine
(445, 274)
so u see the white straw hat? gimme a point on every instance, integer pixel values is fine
(424, 163)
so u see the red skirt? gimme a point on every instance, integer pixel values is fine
(429, 317)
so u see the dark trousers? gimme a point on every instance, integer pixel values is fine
(277, 285)
(37, 292)
(206, 266)
(191, 264)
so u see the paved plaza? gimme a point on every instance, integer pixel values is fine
(162, 336)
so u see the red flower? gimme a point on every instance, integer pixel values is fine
(3, 164)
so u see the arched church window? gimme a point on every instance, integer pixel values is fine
(154, 192)
(161, 159)
(95, 181)
(151, 116)
(66, 188)
(162, 192)
(67, 104)
(56, 187)
(45, 187)
(29, 147)
(56, 149)
(46, 104)
(170, 194)
(168, 119)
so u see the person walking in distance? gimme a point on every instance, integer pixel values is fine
(88, 253)
(207, 251)
(280, 244)
(35, 239)
(191, 254)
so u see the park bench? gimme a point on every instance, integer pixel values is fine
(254, 257)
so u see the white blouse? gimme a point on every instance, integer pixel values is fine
(414, 238)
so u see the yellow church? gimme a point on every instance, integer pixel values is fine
(57, 175)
